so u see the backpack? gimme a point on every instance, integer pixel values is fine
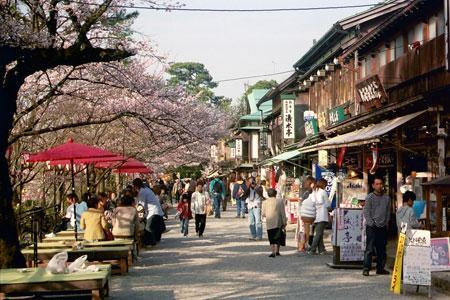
(217, 187)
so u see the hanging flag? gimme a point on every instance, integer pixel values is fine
(340, 158)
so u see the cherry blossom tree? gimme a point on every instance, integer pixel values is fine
(40, 35)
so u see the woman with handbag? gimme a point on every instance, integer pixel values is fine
(308, 215)
(274, 211)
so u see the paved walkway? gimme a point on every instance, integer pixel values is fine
(225, 264)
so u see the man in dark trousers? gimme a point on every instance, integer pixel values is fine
(376, 212)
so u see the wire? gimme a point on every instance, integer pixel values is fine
(253, 76)
(230, 10)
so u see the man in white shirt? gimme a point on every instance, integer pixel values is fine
(154, 225)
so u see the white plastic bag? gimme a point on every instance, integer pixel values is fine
(58, 263)
(78, 264)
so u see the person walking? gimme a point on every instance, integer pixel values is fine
(154, 224)
(254, 199)
(376, 213)
(308, 213)
(274, 211)
(306, 191)
(239, 191)
(199, 202)
(217, 191)
(321, 221)
(184, 213)
(405, 214)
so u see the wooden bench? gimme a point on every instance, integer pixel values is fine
(69, 243)
(37, 282)
(70, 233)
(119, 253)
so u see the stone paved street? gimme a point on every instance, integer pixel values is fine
(225, 264)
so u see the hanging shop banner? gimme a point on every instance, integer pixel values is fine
(336, 115)
(370, 92)
(288, 119)
(311, 126)
(322, 120)
(238, 148)
(417, 258)
(232, 152)
(323, 158)
(440, 254)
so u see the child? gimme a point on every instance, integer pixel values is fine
(184, 213)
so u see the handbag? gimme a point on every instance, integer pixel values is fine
(108, 235)
(282, 237)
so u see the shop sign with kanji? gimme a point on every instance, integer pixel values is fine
(238, 148)
(370, 92)
(336, 115)
(288, 119)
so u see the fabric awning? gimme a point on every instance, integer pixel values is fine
(281, 157)
(367, 135)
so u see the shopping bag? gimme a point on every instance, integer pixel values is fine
(57, 264)
(78, 264)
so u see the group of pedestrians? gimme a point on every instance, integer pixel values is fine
(314, 213)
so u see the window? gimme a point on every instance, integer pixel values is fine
(391, 51)
(382, 56)
(418, 33)
(440, 23)
(398, 46)
(363, 68)
(432, 27)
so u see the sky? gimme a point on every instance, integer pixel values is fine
(232, 45)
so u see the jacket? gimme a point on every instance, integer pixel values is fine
(406, 215)
(308, 208)
(237, 185)
(320, 199)
(211, 187)
(184, 210)
(125, 221)
(93, 222)
(198, 203)
(274, 212)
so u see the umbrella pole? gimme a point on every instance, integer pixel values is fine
(74, 204)
(87, 178)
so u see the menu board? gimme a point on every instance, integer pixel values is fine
(349, 235)
(417, 258)
(353, 190)
(440, 255)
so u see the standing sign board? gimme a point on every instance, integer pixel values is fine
(349, 234)
(440, 254)
(417, 258)
(370, 92)
(353, 190)
(288, 119)
(238, 148)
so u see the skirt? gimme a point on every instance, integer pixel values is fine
(276, 236)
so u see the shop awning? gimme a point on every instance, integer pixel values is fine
(367, 135)
(281, 157)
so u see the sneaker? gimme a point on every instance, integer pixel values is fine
(366, 273)
(50, 235)
(383, 272)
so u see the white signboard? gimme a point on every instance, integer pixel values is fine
(323, 158)
(352, 191)
(232, 152)
(417, 258)
(349, 234)
(417, 265)
(238, 148)
(288, 119)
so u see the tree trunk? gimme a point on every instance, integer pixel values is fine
(10, 257)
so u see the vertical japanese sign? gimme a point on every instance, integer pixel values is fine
(233, 152)
(238, 148)
(311, 127)
(288, 119)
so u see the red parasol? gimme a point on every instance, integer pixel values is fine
(70, 152)
(144, 170)
(129, 166)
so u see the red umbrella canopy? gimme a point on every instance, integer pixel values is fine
(71, 151)
(129, 163)
(144, 170)
(116, 159)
